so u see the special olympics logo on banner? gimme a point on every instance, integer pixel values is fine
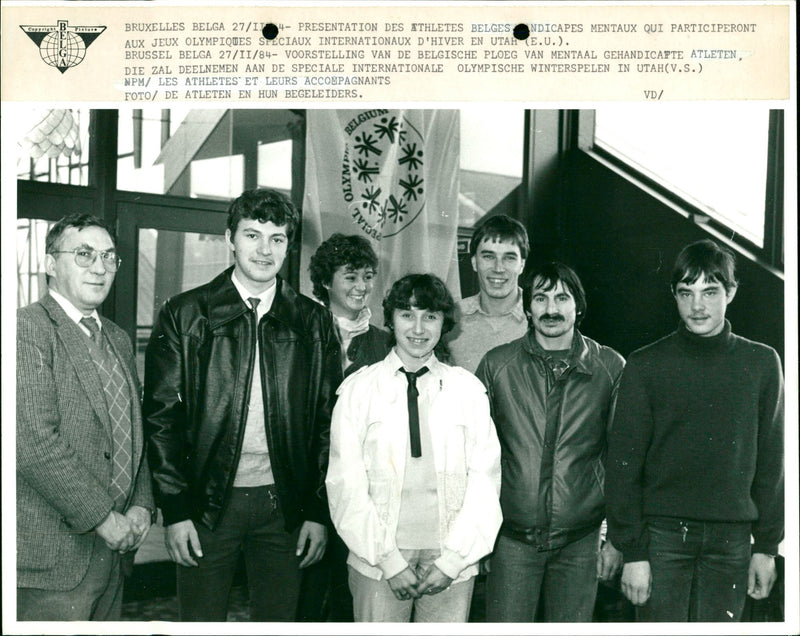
(382, 172)
(61, 45)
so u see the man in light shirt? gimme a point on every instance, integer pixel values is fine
(493, 316)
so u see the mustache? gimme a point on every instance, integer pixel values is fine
(558, 317)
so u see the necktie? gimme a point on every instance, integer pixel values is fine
(254, 306)
(94, 329)
(413, 410)
(118, 401)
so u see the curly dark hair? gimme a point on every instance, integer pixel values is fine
(422, 291)
(337, 251)
(264, 204)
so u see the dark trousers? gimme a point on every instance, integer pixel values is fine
(252, 526)
(565, 579)
(325, 594)
(699, 570)
(98, 597)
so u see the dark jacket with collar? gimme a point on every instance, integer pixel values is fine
(368, 348)
(198, 372)
(553, 436)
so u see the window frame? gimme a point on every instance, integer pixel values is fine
(772, 252)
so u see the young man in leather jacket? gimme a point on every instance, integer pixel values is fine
(240, 379)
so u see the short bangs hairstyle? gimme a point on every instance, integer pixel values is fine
(548, 275)
(421, 291)
(264, 205)
(705, 259)
(79, 221)
(340, 250)
(500, 228)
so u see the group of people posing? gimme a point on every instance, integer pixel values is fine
(371, 473)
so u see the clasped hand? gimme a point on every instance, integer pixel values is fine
(406, 585)
(124, 533)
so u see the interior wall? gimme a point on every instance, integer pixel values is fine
(623, 242)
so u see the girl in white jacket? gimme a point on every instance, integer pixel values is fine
(414, 473)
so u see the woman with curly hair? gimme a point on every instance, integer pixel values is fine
(342, 270)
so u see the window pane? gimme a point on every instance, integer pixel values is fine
(713, 156)
(169, 263)
(31, 281)
(142, 136)
(275, 165)
(492, 139)
(54, 146)
(205, 153)
(218, 178)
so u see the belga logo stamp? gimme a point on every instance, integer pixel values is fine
(382, 172)
(61, 45)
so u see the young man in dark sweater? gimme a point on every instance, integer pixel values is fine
(696, 457)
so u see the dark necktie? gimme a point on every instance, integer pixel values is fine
(413, 410)
(254, 306)
(118, 401)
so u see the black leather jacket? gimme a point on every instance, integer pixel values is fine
(553, 437)
(198, 371)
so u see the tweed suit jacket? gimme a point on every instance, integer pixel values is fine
(64, 445)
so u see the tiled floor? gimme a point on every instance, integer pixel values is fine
(150, 595)
(165, 608)
(150, 591)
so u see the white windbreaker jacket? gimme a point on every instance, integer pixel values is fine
(369, 442)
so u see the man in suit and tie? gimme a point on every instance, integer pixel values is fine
(84, 496)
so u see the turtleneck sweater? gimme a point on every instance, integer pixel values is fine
(697, 435)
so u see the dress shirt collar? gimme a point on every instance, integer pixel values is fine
(393, 364)
(266, 297)
(73, 312)
(472, 305)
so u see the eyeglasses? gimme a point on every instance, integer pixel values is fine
(85, 257)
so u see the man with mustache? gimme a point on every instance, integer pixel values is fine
(240, 380)
(552, 396)
(696, 457)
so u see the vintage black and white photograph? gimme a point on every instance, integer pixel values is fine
(515, 364)
(538, 249)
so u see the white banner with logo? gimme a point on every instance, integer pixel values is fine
(392, 177)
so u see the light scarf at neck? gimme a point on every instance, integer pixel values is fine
(349, 329)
